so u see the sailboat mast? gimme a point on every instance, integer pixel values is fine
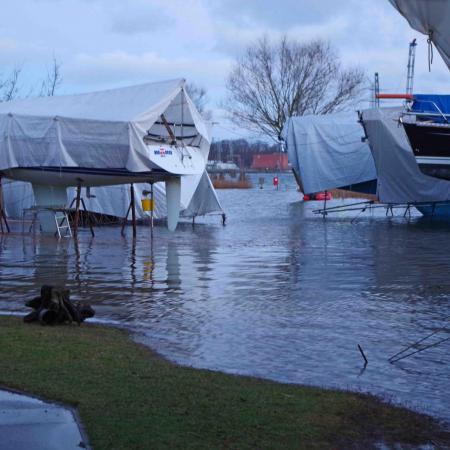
(411, 64)
(182, 113)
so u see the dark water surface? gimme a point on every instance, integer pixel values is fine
(278, 293)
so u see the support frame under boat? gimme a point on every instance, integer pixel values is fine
(389, 207)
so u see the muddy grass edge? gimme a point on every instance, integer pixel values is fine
(318, 416)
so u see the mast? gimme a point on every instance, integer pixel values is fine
(182, 115)
(411, 64)
(376, 98)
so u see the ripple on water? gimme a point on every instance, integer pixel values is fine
(278, 292)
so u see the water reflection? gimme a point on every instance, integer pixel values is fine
(278, 292)
(173, 267)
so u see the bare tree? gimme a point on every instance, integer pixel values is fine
(197, 95)
(52, 81)
(272, 82)
(9, 86)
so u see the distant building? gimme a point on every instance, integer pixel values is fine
(219, 166)
(270, 161)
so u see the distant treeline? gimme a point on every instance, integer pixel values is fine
(240, 151)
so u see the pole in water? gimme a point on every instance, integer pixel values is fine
(88, 217)
(2, 210)
(153, 207)
(77, 211)
(124, 222)
(362, 354)
(133, 209)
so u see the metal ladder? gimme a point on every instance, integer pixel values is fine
(62, 223)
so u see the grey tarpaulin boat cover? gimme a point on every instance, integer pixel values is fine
(327, 151)
(430, 17)
(399, 177)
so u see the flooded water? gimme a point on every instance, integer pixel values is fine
(278, 292)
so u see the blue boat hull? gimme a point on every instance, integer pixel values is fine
(441, 210)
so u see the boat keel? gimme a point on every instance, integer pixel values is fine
(173, 198)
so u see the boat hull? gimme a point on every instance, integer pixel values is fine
(438, 210)
(431, 146)
(50, 187)
(74, 176)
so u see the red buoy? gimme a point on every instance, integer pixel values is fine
(323, 196)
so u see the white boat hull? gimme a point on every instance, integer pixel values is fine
(50, 187)
(74, 176)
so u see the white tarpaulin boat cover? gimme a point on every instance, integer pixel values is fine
(399, 177)
(327, 152)
(198, 198)
(103, 129)
(430, 17)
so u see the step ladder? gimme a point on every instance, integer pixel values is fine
(62, 223)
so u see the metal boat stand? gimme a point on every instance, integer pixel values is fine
(79, 200)
(389, 208)
(407, 210)
(132, 208)
(152, 212)
(3, 219)
(431, 340)
(60, 215)
(152, 209)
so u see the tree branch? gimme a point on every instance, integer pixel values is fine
(272, 82)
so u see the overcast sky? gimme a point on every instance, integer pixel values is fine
(108, 43)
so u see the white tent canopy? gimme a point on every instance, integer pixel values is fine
(430, 17)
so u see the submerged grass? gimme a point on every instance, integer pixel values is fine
(130, 398)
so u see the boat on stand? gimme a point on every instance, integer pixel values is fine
(427, 127)
(148, 133)
(426, 119)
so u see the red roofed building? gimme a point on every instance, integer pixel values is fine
(263, 161)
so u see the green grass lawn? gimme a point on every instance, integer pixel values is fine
(130, 398)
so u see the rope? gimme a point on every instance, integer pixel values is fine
(430, 50)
